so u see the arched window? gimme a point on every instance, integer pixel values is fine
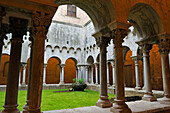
(71, 10)
(6, 67)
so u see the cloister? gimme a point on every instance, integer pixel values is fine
(122, 39)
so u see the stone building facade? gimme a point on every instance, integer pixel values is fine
(112, 24)
(70, 45)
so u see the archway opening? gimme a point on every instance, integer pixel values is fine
(70, 70)
(4, 69)
(53, 71)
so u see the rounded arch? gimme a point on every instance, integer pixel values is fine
(74, 59)
(53, 70)
(4, 69)
(145, 19)
(125, 50)
(70, 70)
(98, 58)
(101, 13)
(90, 60)
(59, 60)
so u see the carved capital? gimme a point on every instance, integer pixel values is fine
(164, 43)
(118, 35)
(40, 24)
(146, 48)
(103, 41)
(18, 27)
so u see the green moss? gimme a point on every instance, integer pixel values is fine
(59, 100)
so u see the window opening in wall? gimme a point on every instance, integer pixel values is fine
(71, 10)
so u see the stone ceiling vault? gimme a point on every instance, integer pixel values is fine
(101, 13)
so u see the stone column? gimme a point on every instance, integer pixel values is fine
(148, 96)
(138, 87)
(108, 83)
(20, 82)
(76, 72)
(92, 82)
(164, 50)
(18, 29)
(79, 72)
(24, 73)
(103, 102)
(44, 74)
(40, 24)
(26, 106)
(97, 67)
(113, 72)
(119, 106)
(87, 74)
(62, 74)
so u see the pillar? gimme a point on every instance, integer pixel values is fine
(103, 102)
(119, 106)
(40, 24)
(76, 72)
(87, 74)
(19, 28)
(62, 74)
(26, 106)
(44, 74)
(113, 72)
(97, 68)
(164, 46)
(24, 73)
(79, 72)
(92, 82)
(148, 96)
(138, 87)
(108, 82)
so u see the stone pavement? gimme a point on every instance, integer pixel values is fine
(136, 107)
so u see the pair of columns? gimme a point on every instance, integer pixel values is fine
(24, 65)
(113, 72)
(102, 41)
(40, 25)
(89, 71)
(61, 74)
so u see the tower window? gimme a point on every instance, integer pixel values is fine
(71, 10)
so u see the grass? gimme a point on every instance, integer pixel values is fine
(59, 100)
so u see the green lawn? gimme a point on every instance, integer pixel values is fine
(59, 100)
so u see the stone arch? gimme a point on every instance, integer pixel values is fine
(53, 70)
(4, 69)
(146, 20)
(70, 70)
(125, 50)
(101, 13)
(129, 69)
(90, 60)
(98, 58)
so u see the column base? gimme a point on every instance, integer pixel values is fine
(10, 109)
(104, 102)
(26, 107)
(164, 100)
(61, 83)
(143, 88)
(96, 83)
(34, 110)
(113, 86)
(120, 107)
(149, 97)
(138, 88)
(108, 85)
